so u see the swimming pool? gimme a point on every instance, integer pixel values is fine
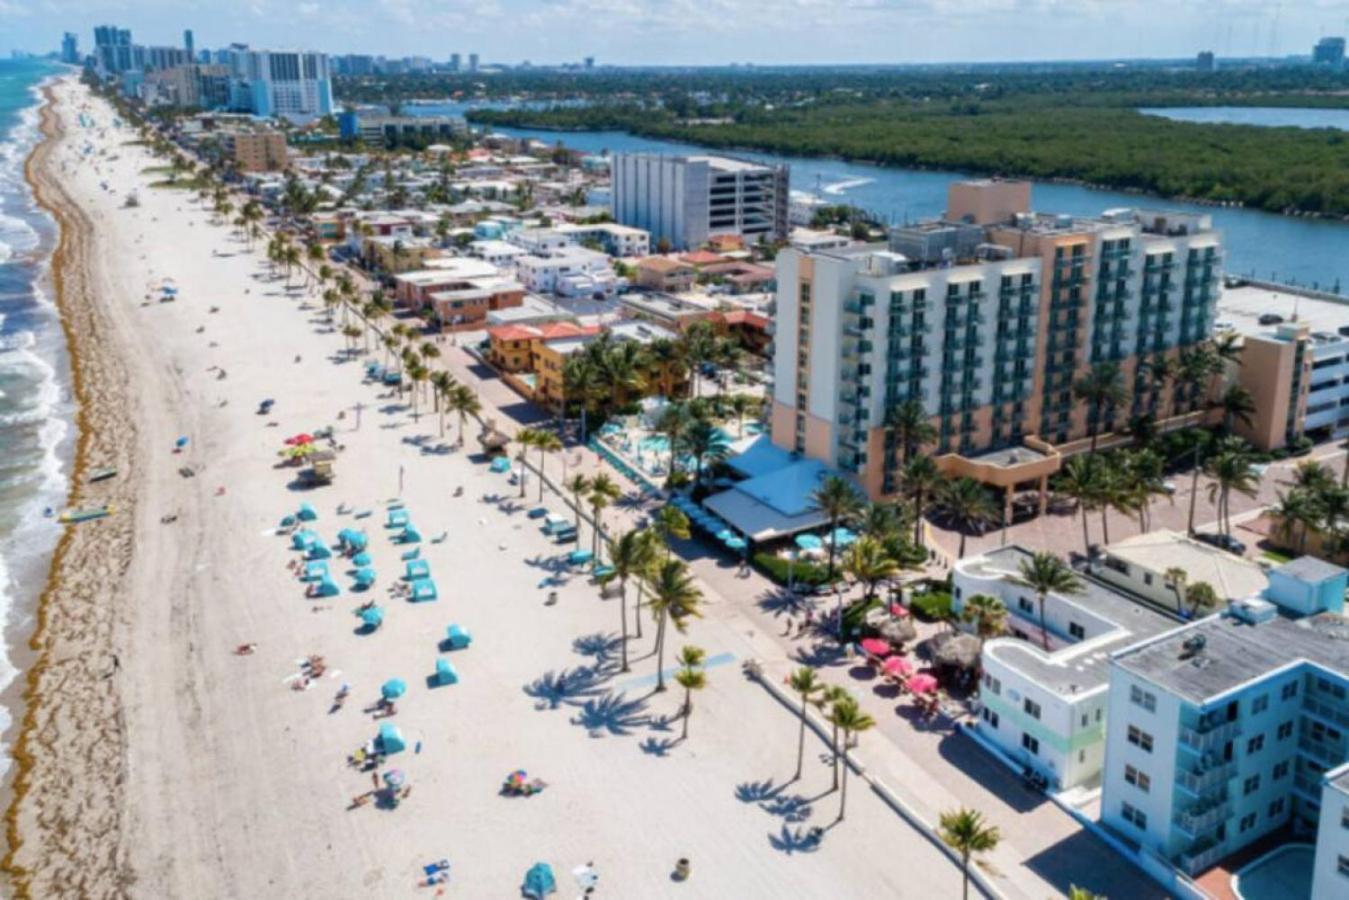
(1284, 873)
(655, 443)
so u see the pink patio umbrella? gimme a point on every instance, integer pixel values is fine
(922, 684)
(898, 667)
(898, 611)
(875, 647)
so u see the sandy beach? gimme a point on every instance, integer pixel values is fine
(155, 762)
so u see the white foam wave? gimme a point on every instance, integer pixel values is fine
(839, 187)
(19, 340)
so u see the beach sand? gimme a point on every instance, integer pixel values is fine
(183, 769)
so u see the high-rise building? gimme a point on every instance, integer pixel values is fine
(189, 45)
(589, 63)
(986, 319)
(70, 48)
(160, 58)
(473, 62)
(1234, 727)
(288, 83)
(1329, 51)
(112, 49)
(685, 200)
(454, 62)
(1205, 62)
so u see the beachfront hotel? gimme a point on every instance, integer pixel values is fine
(685, 200)
(1235, 728)
(986, 318)
(287, 83)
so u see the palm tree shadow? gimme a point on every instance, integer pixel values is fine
(782, 602)
(658, 747)
(758, 791)
(612, 713)
(796, 840)
(601, 647)
(570, 686)
(820, 654)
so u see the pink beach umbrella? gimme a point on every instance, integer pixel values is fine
(898, 667)
(875, 647)
(922, 684)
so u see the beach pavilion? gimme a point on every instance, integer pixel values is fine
(774, 500)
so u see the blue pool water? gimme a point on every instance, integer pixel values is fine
(1282, 874)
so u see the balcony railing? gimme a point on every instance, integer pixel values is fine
(1201, 781)
(1196, 861)
(1207, 738)
(1203, 817)
(1330, 712)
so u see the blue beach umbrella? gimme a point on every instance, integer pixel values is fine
(373, 617)
(809, 542)
(393, 689)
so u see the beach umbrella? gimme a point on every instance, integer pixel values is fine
(809, 542)
(898, 667)
(395, 778)
(373, 617)
(737, 543)
(180, 443)
(922, 684)
(539, 881)
(725, 534)
(393, 689)
(361, 559)
(875, 647)
(961, 651)
(302, 438)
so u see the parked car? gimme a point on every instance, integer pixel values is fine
(1223, 542)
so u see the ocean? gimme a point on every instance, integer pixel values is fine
(36, 408)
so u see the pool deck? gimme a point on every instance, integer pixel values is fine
(1217, 881)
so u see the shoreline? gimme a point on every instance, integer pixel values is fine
(34, 757)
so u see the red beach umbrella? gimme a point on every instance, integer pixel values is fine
(875, 647)
(922, 684)
(897, 666)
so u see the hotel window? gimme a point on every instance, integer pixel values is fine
(1276, 808)
(1030, 743)
(1138, 779)
(1289, 690)
(1285, 730)
(1076, 630)
(1260, 704)
(1032, 708)
(1255, 744)
(1248, 822)
(990, 717)
(1140, 739)
(1025, 605)
(1134, 816)
(992, 683)
(1281, 771)
(1140, 697)
(1250, 785)
(1343, 865)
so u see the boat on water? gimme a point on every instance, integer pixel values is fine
(102, 474)
(84, 514)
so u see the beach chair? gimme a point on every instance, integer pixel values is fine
(423, 591)
(602, 572)
(365, 576)
(501, 464)
(410, 535)
(417, 569)
(538, 512)
(445, 673)
(580, 557)
(457, 638)
(315, 571)
(307, 513)
(412, 554)
(398, 518)
(565, 535)
(390, 739)
(319, 550)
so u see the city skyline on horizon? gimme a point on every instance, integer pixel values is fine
(858, 32)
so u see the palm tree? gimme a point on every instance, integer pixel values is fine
(909, 424)
(1298, 513)
(1174, 578)
(987, 614)
(1044, 573)
(578, 484)
(1236, 404)
(603, 491)
(691, 677)
(1200, 596)
(670, 523)
(740, 406)
(832, 695)
(630, 555)
(674, 597)
(463, 400)
(1231, 471)
(806, 684)
(849, 719)
(919, 480)
(869, 562)
(442, 383)
(582, 383)
(527, 438)
(674, 420)
(1077, 893)
(839, 501)
(706, 443)
(967, 504)
(546, 442)
(1080, 481)
(966, 832)
(1102, 389)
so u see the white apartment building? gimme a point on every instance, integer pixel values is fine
(498, 253)
(293, 84)
(1237, 726)
(686, 199)
(568, 271)
(1140, 564)
(1045, 707)
(612, 238)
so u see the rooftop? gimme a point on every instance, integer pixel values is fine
(662, 264)
(1310, 569)
(1235, 652)
(1240, 309)
(1079, 666)
(1233, 577)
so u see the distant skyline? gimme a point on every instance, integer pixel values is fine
(704, 32)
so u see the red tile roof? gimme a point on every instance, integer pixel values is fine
(702, 258)
(546, 332)
(743, 317)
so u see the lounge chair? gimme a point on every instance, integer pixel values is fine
(445, 673)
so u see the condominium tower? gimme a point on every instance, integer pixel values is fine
(986, 318)
(285, 83)
(684, 200)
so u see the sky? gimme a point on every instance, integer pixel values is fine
(702, 32)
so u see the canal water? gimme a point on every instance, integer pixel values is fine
(1310, 252)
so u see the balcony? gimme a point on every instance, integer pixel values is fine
(1203, 817)
(1210, 737)
(1330, 712)
(1202, 856)
(1200, 781)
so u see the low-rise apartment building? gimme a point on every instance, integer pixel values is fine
(396, 253)
(612, 238)
(568, 272)
(664, 273)
(987, 318)
(515, 348)
(551, 359)
(258, 151)
(1236, 726)
(394, 131)
(458, 292)
(1143, 565)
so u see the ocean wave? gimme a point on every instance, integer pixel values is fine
(19, 340)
